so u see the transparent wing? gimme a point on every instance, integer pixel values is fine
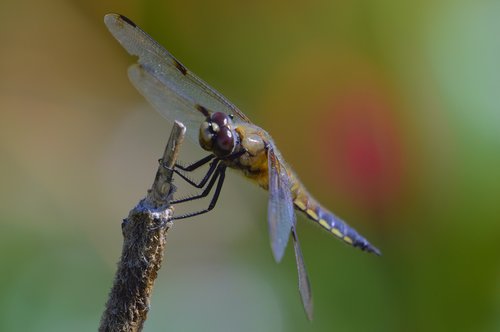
(168, 71)
(280, 212)
(169, 103)
(304, 284)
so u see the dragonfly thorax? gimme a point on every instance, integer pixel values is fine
(217, 134)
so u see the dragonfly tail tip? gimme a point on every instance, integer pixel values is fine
(374, 250)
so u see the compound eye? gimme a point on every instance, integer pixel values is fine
(224, 142)
(221, 119)
(206, 136)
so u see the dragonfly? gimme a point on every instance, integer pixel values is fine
(233, 142)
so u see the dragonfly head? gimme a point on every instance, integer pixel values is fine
(217, 134)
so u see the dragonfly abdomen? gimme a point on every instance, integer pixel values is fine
(330, 222)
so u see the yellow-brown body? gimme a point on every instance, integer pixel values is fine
(254, 165)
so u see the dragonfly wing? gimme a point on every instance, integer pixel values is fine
(167, 70)
(166, 101)
(280, 213)
(304, 284)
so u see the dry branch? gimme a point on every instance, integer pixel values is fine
(144, 233)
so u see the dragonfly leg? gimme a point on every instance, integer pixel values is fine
(195, 165)
(205, 191)
(201, 184)
(219, 174)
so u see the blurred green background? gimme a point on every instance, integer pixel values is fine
(388, 110)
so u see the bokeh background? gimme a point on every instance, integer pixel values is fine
(388, 111)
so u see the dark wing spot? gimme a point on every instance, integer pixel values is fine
(180, 67)
(126, 19)
(202, 110)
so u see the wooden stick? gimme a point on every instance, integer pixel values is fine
(144, 233)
